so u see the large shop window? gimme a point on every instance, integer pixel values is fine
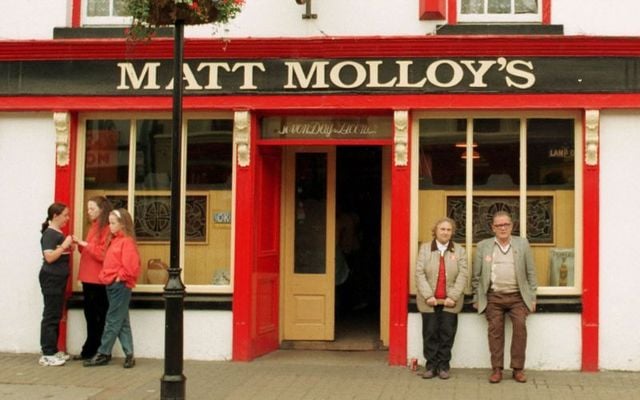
(469, 168)
(505, 11)
(129, 161)
(105, 12)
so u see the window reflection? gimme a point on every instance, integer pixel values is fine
(209, 149)
(153, 154)
(311, 209)
(442, 152)
(106, 154)
(550, 153)
(497, 165)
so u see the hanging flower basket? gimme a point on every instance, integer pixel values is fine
(151, 14)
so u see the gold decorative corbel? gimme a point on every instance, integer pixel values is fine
(401, 138)
(242, 137)
(592, 137)
(61, 122)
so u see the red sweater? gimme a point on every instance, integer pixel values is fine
(122, 261)
(92, 255)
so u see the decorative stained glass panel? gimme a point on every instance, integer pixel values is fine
(153, 217)
(539, 217)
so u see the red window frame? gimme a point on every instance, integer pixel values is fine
(448, 9)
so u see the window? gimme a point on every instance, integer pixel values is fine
(471, 167)
(105, 12)
(499, 11)
(129, 162)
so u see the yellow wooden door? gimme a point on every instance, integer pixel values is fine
(309, 244)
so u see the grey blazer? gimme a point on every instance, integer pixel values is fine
(525, 271)
(427, 270)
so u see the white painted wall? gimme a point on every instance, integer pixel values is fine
(553, 342)
(35, 19)
(619, 222)
(27, 166)
(207, 334)
(597, 17)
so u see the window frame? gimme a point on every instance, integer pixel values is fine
(543, 291)
(111, 20)
(512, 17)
(131, 191)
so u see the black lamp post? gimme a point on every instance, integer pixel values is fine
(173, 381)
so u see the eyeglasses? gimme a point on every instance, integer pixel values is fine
(502, 226)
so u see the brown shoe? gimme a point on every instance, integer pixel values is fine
(496, 376)
(444, 374)
(519, 376)
(428, 374)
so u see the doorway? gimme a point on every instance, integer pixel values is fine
(331, 254)
(358, 230)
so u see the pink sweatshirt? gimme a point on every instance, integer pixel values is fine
(122, 261)
(92, 255)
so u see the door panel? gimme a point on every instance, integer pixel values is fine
(309, 249)
(266, 277)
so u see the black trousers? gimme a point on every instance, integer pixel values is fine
(52, 287)
(438, 333)
(95, 305)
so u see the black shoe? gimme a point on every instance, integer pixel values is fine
(97, 360)
(129, 361)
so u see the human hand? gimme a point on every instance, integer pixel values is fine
(449, 302)
(431, 301)
(68, 242)
(475, 305)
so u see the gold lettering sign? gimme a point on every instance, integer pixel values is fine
(295, 127)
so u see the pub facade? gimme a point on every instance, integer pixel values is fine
(314, 164)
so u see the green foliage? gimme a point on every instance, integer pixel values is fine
(148, 15)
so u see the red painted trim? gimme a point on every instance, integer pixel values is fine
(315, 104)
(65, 193)
(399, 274)
(432, 10)
(591, 267)
(452, 12)
(244, 253)
(243, 258)
(76, 13)
(332, 47)
(546, 12)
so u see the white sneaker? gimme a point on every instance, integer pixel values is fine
(62, 355)
(50, 361)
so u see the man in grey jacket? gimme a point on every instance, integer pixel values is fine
(504, 282)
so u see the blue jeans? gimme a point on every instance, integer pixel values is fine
(117, 323)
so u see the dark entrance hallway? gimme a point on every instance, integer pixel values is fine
(358, 216)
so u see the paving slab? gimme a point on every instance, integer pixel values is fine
(300, 375)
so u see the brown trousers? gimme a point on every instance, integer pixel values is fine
(499, 305)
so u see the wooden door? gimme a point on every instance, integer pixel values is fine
(266, 278)
(309, 244)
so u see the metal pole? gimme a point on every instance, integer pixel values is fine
(173, 381)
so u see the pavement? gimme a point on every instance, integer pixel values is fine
(297, 374)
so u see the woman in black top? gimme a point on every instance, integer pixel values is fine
(53, 280)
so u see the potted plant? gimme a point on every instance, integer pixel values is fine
(151, 14)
